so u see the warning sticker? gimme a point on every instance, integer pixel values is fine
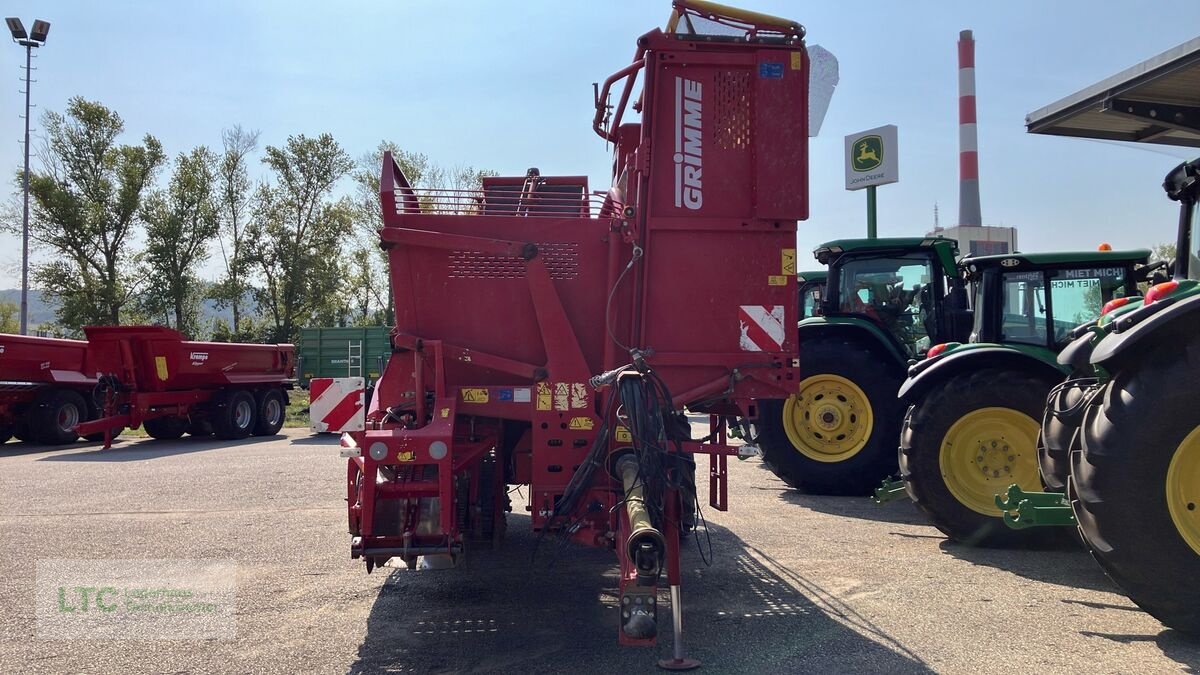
(582, 424)
(797, 60)
(762, 328)
(543, 400)
(578, 395)
(623, 435)
(562, 395)
(475, 395)
(777, 280)
(521, 395)
(406, 456)
(789, 261)
(445, 413)
(160, 365)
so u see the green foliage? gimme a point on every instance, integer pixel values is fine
(180, 223)
(1164, 251)
(10, 317)
(297, 234)
(85, 205)
(233, 203)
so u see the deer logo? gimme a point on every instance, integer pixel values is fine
(868, 153)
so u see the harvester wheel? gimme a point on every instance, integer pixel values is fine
(271, 411)
(165, 428)
(837, 434)
(964, 443)
(233, 414)
(1136, 483)
(54, 415)
(1060, 432)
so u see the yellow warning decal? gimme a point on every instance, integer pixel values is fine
(406, 456)
(777, 280)
(797, 60)
(544, 397)
(582, 424)
(623, 435)
(160, 364)
(445, 413)
(475, 395)
(789, 261)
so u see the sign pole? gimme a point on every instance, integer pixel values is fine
(871, 212)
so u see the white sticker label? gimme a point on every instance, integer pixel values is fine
(522, 395)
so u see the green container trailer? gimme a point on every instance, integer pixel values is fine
(343, 352)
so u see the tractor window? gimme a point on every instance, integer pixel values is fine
(1193, 253)
(1077, 295)
(810, 299)
(895, 292)
(1024, 309)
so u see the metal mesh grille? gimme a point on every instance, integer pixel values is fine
(562, 261)
(733, 109)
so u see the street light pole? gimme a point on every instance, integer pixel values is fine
(25, 214)
(34, 38)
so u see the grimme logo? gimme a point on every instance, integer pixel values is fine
(688, 144)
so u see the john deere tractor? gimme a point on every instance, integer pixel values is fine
(1134, 427)
(883, 303)
(973, 418)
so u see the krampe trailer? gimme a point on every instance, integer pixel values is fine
(551, 337)
(45, 388)
(150, 376)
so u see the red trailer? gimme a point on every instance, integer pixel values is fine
(151, 376)
(550, 336)
(45, 388)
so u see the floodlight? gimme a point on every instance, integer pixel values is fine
(40, 29)
(16, 28)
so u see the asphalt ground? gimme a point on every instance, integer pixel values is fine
(795, 584)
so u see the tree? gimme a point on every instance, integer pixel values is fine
(86, 201)
(297, 234)
(234, 203)
(180, 222)
(9, 319)
(1164, 251)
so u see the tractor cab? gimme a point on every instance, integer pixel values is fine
(812, 292)
(1183, 186)
(908, 287)
(1038, 299)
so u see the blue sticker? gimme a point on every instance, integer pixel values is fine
(505, 394)
(771, 71)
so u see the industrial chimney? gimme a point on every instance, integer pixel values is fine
(968, 137)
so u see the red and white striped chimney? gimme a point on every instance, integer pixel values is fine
(968, 135)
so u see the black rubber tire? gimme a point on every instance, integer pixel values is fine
(921, 436)
(873, 373)
(201, 427)
(230, 419)
(1060, 432)
(165, 428)
(50, 415)
(272, 409)
(1119, 481)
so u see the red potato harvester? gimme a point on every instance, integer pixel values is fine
(551, 337)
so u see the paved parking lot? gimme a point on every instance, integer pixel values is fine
(796, 583)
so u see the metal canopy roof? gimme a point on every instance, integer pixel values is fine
(1156, 101)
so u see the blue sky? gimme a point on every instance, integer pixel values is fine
(507, 86)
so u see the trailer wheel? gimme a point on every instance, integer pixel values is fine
(233, 414)
(271, 413)
(1136, 483)
(967, 441)
(54, 415)
(165, 428)
(1060, 431)
(837, 434)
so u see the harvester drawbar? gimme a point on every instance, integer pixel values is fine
(552, 337)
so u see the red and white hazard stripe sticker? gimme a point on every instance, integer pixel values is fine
(337, 404)
(762, 328)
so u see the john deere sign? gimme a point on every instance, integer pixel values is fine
(871, 158)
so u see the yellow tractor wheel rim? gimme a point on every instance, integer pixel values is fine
(1183, 489)
(986, 451)
(829, 420)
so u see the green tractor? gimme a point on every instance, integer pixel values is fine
(1131, 431)
(973, 418)
(882, 303)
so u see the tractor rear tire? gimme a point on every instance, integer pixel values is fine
(1136, 483)
(1060, 432)
(271, 412)
(233, 414)
(165, 428)
(967, 441)
(837, 434)
(54, 415)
